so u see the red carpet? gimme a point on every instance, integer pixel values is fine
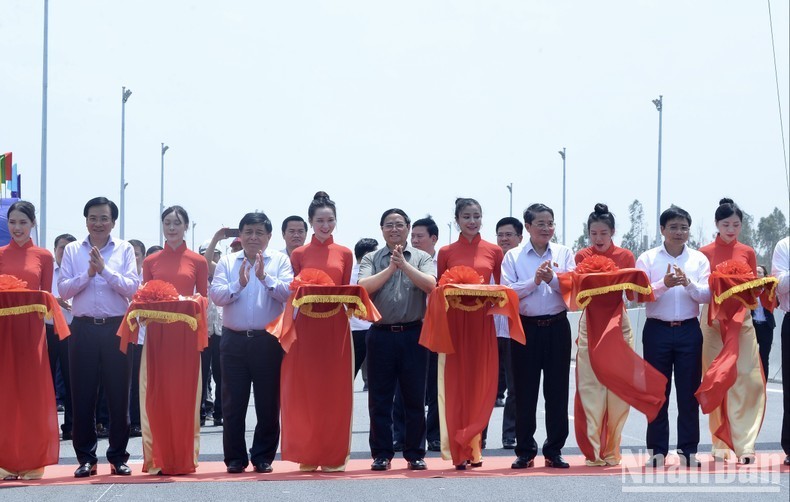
(360, 469)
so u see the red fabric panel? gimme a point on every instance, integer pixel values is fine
(316, 390)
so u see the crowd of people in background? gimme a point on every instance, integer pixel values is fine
(101, 386)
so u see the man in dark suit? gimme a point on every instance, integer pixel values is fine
(764, 325)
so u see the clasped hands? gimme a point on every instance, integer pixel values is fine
(544, 273)
(675, 277)
(257, 267)
(95, 262)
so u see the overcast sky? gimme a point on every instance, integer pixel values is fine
(408, 104)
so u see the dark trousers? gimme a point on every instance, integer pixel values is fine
(212, 368)
(765, 338)
(255, 360)
(432, 432)
(358, 337)
(59, 355)
(503, 345)
(548, 351)
(786, 383)
(677, 349)
(134, 398)
(94, 358)
(509, 413)
(396, 358)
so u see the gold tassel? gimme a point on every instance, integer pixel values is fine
(499, 297)
(747, 286)
(585, 297)
(160, 316)
(360, 310)
(26, 309)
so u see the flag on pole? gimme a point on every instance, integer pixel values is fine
(6, 161)
(12, 185)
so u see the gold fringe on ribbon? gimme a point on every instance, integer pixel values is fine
(160, 316)
(585, 297)
(307, 309)
(349, 301)
(455, 302)
(756, 283)
(26, 309)
(499, 297)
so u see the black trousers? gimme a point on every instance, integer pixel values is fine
(59, 354)
(765, 338)
(548, 351)
(509, 413)
(134, 398)
(94, 358)
(212, 368)
(358, 337)
(677, 349)
(786, 382)
(432, 432)
(250, 360)
(396, 357)
(503, 345)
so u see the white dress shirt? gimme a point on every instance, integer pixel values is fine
(518, 272)
(780, 268)
(678, 303)
(357, 324)
(259, 302)
(106, 294)
(66, 313)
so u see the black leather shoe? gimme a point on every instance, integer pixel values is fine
(523, 462)
(66, 436)
(475, 464)
(85, 470)
(135, 432)
(787, 460)
(417, 465)
(500, 403)
(236, 467)
(380, 464)
(397, 446)
(120, 469)
(509, 444)
(218, 422)
(557, 462)
(263, 468)
(461, 467)
(434, 445)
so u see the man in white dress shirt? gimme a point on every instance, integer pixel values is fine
(672, 337)
(251, 286)
(531, 271)
(780, 266)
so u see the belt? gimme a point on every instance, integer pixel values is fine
(249, 333)
(545, 320)
(99, 320)
(673, 324)
(396, 328)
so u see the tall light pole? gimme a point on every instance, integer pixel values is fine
(660, 107)
(125, 93)
(564, 228)
(510, 189)
(43, 202)
(449, 232)
(194, 224)
(162, 189)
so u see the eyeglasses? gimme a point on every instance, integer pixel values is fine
(544, 226)
(682, 230)
(506, 235)
(390, 226)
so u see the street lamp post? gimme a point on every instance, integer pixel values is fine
(162, 188)
(449, 232)
(194, 224)
(564, 228)
(125, 93)
(510, 189)
(660, 107)
(43, 223)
